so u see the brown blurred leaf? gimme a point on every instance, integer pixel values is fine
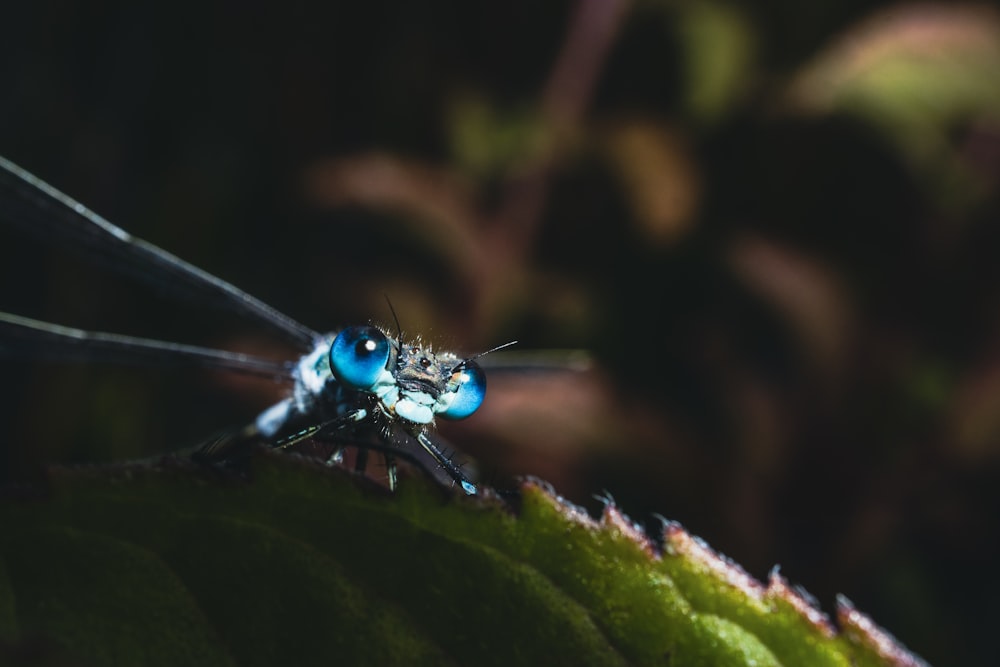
(660, 178)
(434, 200)
(808, 294)
(975, 414)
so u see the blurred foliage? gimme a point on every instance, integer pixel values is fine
(774, 225)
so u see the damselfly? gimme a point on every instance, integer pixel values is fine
(360, 386)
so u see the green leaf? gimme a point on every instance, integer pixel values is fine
(303, 564)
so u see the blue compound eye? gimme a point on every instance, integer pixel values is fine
(358, 356)
(470, 393)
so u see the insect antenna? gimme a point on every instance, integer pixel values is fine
(399, 329)
(483, 354)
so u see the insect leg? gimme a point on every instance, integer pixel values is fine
(446, 464)
(390, 469)
(314, 429)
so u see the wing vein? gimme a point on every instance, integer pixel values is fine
(31, 204)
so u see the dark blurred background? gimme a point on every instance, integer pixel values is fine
(773, 225)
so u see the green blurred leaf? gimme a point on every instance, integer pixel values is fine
(303, 564)
(720, 57)
(917, 73)
(487, 141)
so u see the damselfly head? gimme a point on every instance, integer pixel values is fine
(412, 381)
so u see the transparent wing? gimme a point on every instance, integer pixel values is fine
(22, 337)
(37, 208)
(536, 361)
